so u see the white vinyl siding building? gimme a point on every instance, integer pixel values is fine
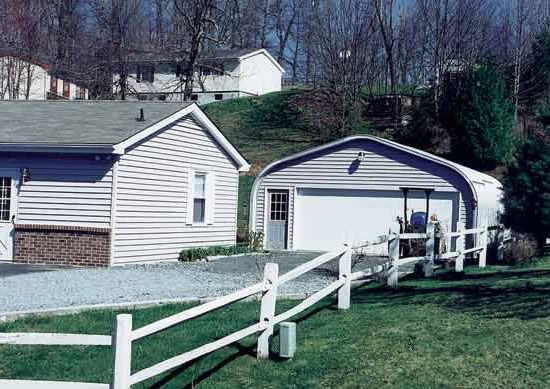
(156, 191)
(242, 73)
(353, 190)
(129, 199)
(24, 80)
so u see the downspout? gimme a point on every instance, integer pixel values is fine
(405, 220)
(114, 199)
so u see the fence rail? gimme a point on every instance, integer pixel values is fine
(30, 338)
(124, 335)
(428, 261)
(26, 384)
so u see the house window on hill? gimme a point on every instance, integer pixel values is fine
(218, 96)
(148, 73)
(66, 89)
(80, 93)
(53, 85)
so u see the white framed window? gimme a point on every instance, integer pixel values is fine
(201, 197)
(5, 198)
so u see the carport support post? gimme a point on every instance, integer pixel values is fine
(393, 276)
(500, 243)
(344, 293)
(459, 261)
(430, 250)
(483, 239)
(122, 350)
(267, 309)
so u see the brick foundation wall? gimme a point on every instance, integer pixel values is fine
(62, 245)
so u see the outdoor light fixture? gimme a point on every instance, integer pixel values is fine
(26, 173)
(361, 156)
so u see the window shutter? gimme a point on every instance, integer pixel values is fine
(210, 197)
(190, 194)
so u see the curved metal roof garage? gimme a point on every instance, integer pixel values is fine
(354, 188)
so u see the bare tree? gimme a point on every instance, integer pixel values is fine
(118, 31)
(384, 15)
(454, 34)
(20, 41)
(197, 32)
(342, 51)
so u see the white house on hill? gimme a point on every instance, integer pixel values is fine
(226, 75)
(24, 79)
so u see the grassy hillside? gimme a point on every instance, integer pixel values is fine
(263, 128)
(486, 328)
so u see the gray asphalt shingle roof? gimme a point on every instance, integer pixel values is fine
(78, 122)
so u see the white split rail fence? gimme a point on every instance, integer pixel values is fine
(428, 260)
(124, 335)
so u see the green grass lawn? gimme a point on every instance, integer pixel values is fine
(483, 329)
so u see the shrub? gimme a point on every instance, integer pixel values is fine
(527, 188)
(193, 254)
(255, 241)
(483, 119)
(198, 253)
(520, 250)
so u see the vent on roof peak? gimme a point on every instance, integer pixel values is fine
(141, 117)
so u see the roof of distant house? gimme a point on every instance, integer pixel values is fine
(33, 59)
(218, 54)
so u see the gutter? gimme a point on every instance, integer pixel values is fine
(60, 148)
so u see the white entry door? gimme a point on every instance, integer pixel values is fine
(7, 212)
(327, 218)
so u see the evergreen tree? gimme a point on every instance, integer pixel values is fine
(483, 119)
(527, 188)
(538, 79)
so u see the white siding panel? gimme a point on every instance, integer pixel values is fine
(153, 191)
(63, 189)
(382, 169)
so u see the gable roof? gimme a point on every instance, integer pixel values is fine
(266, 53)
(95, 126)
(238, 54)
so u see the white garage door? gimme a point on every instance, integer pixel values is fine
(327, 218)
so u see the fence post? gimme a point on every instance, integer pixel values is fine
(483, 240)
(267, 310)
(428, 266)
(122, 351)
(393, 276)
(459, 262)
(344, 293)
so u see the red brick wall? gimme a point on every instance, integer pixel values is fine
(62, 245)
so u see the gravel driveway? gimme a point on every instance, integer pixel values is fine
(22, 291)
